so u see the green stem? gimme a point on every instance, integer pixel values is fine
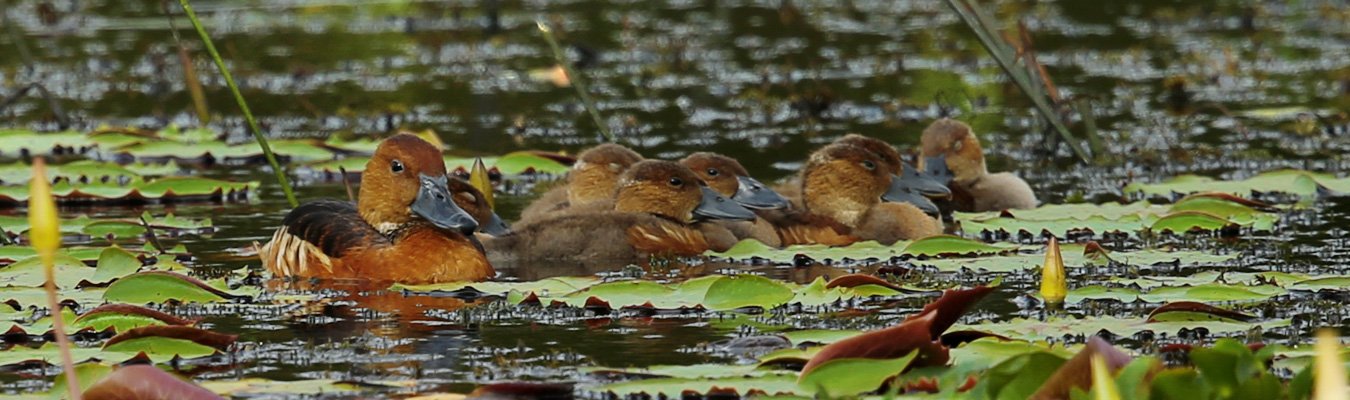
(984, 30)
(576, 80)
(243, 106)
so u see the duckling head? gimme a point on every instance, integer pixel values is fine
(671, 190)
(405, 183)
(472, 201)
(596, 173)
(843, 181)
(954, 140)
(908, 184)
(726, 176)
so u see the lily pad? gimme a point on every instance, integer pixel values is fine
(163, 189)
(850, 376)
(159, 287)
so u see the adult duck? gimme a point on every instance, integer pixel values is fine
(405, 226)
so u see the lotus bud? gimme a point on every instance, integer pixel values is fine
(1054, 288)
(1103, 384)
(478, 177)
(44, 230)
(1330, 373)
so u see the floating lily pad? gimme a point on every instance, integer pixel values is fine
(87, 171)
(1193, 213)
(851, 376)
(937, 246)
(1295, 182)
(510, 164)
(1073, 257)
(164, 189)
(785, 382)
(1030, 329)
(159, 287)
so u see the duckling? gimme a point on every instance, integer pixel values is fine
(845, 184)
(917, 188)
(971, 180)
(591, 181)
(726, 176)
(403, 228)
(654, 206)
(472, 201)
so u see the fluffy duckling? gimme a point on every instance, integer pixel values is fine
(404, 228)
(472, 201)
(917, 188)
(591, 181)
(726, 176)
(654, 205)
(975, 189)
(845, 184)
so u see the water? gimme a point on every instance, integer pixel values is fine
(1170, 82)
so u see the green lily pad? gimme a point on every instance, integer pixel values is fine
(522, 161)
(260, 387)
(1034, 330)
(114, 263)
(732, 292)
(947, 245)
(1295, 182)
(159, 287)
(937, 246)
(851, 376)
(29, 272)
(13, 142)
(785, 382)
(164, 189)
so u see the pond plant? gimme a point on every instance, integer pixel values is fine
(158, 261)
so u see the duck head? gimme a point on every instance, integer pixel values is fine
(405, 183)
(908, 185)
(671, 190)
(726, 176)
(472, 201)
(596, 173)
(843, 181)
(954, 140)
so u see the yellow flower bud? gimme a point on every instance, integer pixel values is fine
(1103, 384)
(1054, 288)
(44, 230)
(478, 177)
(1330, 373)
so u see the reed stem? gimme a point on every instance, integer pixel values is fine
(577, 82)
(243, 106)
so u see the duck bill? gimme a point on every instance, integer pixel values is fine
(755, 195)
(434, 205)
(716, 206)
(912, 180)
(900, 193)
(496, 227)
(936, 169)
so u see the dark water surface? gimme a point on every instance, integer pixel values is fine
(1177, 87)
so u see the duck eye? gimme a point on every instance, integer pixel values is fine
(676, 182)
(712, 172)
(869, 165)
(396, 166)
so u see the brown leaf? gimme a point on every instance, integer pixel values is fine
(1197, 307)
(145, 382)
(522, 390)
(1077, 372)
(951, 306)
(894, 342)
(855, 280)
(196, 335)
